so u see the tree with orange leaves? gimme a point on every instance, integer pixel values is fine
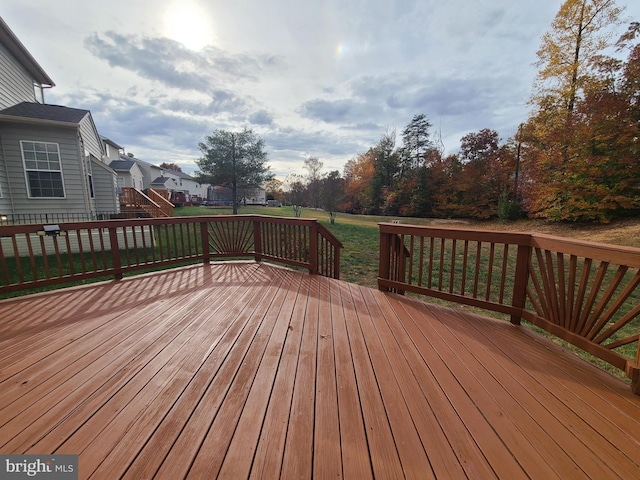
(558, 162)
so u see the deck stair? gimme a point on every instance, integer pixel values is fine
(150, 204)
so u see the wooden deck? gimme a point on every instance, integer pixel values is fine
(238, 370)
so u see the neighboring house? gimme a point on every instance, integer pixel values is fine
(133, 172)
(164, 183)
(184, 184)
(149, 171)
(112, 151)
(129, 173)
(51, 157)
(51, 160)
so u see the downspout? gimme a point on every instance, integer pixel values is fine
(42, 88)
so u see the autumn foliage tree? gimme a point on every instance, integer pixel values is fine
(358, 173)
(486, 173)
(574, 143)
(415, 180)
(171, 166)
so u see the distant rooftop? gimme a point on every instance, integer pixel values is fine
(160, 181)
(108, 140)
(122, 165)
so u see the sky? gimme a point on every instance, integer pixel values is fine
(323, 78)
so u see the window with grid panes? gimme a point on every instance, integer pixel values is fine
(43, 170)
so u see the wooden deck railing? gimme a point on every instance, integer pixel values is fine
(166, 207)
(585, 293)
(154, 206)
(33, 256)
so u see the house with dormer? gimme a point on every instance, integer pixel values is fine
(51, 157)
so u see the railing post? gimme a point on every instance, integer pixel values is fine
(115, 253)
(257, 239)
(635, 373)
(204, 239)
(520, 281)
(400, 265)
(384, 267)
(313, 248)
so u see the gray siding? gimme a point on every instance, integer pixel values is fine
(72, 170)
(104, 188)
(5, 200)
(90, 137)
(149, 173)
(16, 85)
(125, 179)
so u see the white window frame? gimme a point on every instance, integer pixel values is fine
(29, 167)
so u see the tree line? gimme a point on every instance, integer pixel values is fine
(576, 158)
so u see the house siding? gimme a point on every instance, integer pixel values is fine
(183, 183)
(149, 172)
(16, 85)
(111, 151)
(5, 199)
(136, 177)
(75, 200)
(104, 188)
(90, 138)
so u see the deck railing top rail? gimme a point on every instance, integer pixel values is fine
(34, 256)
(584, 292)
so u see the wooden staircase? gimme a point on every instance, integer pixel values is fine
(153, 204)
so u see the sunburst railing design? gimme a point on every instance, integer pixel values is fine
(34, 256)
(588, 294)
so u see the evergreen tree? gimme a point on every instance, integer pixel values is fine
(233, 159)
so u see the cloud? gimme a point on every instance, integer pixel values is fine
(172, 64)
(135, 123)
(310, 142)
(330, 111)
(312, 78)
(222, 101)
(261, 117)
(372, 100)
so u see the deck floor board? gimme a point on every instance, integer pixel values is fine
(248, 370)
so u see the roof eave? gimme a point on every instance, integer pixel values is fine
(18, 50)
(31, 120)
